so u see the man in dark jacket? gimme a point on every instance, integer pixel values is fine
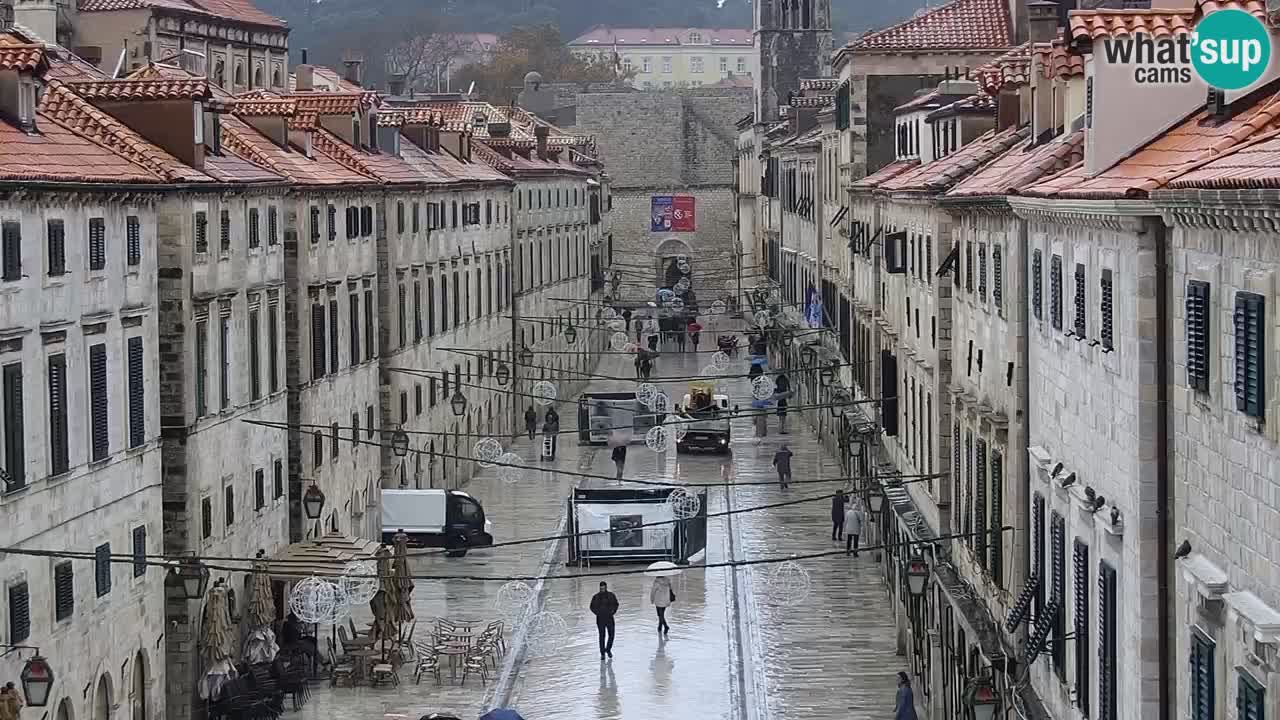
(782, 463)
(531, 421)
(551, 429)
(620, 459)
(604, 605)
(781, 388)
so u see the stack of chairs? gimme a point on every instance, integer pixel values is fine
(241, 700)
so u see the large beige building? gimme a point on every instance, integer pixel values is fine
(666, 58)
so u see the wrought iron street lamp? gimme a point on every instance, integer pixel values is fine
(37, 680)
(502, 374)
(400, 442)
(570, 334)
(313, 502)
(459, 403)
(526, 356)
(839, 399)
(917, 574)
(827, 374)
(982, 698)
(807, 356)
(192, 575)
(875, 498)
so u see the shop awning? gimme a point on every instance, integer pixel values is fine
(324, 557)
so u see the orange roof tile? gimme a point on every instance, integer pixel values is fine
(980, 103)
(1257, 8)
(451, 167)
(957, 25)
(1186, 147)
(319, 169)
(264, 107)
(58, 153)
(944, 172)
(304, 121)
(1011, 68)
(1087, 25)
(461, 116)
(888, 172)
(1252, 164)
(24, 57)
(235, 10)
(1020, 166)
(1054, 60)
(383, 166)
(76, 113)
(157, 89)
(328, 103)
(231, 168)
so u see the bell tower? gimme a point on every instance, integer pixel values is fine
(793, 38)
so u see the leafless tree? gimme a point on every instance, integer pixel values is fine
(423, 59)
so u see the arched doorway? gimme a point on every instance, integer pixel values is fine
(103, 699)
(666, 251)
(65, 711)
(140, 681)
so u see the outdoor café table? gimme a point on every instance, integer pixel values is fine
(453, 649)
(362, 660)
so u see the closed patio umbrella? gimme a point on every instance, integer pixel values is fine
(260, 646)
(216, 639)
(386, 604)
(404, 582)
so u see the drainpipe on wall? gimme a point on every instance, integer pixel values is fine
(1164, 484)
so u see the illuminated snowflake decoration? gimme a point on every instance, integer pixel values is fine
(683, 504)
(763, 388)
(679, 429)
(618, 325)
(683, 284)
(341, 608)
(683, 266)
(720, 361)
(360, 581)
(666, 295)
(677, 304)
(762, 318)
(544, 393)
(509, 468)
(315, 600)
(661, 403)
(718, 307)
(610, 313)
(657, 439)
(487, 451)
(788, 584)
(645, 394)
(514, 602)
(619, 341)
(546, 633)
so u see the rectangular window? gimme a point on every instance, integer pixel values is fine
(11, 240)
(64, 591)
(273, 225)
(996, 567)
(1106, 305)
(980, 505)
(982, 270)
(133, 241)
(229, 505)
(135, 377)
(206, 518)
(317, 449)
(202, 368)
(366, 221)
(19, 613)
(97, 244)
(1250, 699)
(277, 479)
(1036, 288)
(255, 360)
(102, 569)
(400, 216)
(1203, 678)
(333, 441)
(355, 431)
(1037, 551)
(1081, 623)
(333, 223)
(353, 310)
(1250, 354)
(273, 340)
(417, 399)
(368, 325)
(417, 310)
(1055, 292)
(140, 551)
(333, 335)
(1080, 309)
(417, 216)
(404, 316)
(56, 239)
(1197, 314)
(224, 231)
(404, 407)
(59, 456)
(254, 238)
(997, 276)
(456, 303)
(201, 232)
(224, 371)
(317, 341)
(1107, 635)
(368, 421)
(431, 306)
(259, 489)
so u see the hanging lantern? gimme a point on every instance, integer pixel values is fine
(37, 680)
(313, 502)
(526, 356)
(807, 355)
(502, 374)
(570, 333)
(193, 576)
(875, 498)
(459, 403)
(827, 375)
(982, 698)
(917, 574)
(400, 443)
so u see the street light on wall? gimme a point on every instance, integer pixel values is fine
(827, 374)
(917, 574)
(192, 576)
(313, 502)
(570, 334)
(37, 680)
(982, 698)
(459, 403)
(502, 374)
(400, 442)
(526, 356)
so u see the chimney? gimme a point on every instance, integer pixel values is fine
(1008, 110)
(18, 98)
(304, 75)
(395, 84)
(1042, 16)
(39, 16)
(541, 133)
(353, 63)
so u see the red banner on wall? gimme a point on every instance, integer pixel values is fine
(672, 213)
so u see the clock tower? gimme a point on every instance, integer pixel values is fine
(793, 38)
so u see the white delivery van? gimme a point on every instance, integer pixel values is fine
(436, 518)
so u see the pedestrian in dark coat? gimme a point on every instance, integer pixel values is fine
(531, 421)
(905, 707)
(782, 463)
(620, 459)
(837, 515)
(782, 386)
(604, 605)
(646, 367)
(551, 431)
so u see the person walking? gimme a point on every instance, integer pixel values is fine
(619, 460)
(680, 340)
(695, 333)
(838, 502)
(782, 463)
(604, 605)
(854, 519)
(905, 704)
(761, 421)
(626, 316)
(551, 430)
(782, 389)
(531, 421)
(646, 367)
(662, 595)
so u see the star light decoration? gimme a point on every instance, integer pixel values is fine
(316, 600)
(619, 341)
(645, 394)
(514, 602)
(763, 387)
(657, 439)
(683, 504)
(788, 584)
(360, 581)
(487, 451)
(666, 295)
(661, 403)
(545, 633)
(683, 266)
(718, 307)
(544, 393)
(509, 469)
(762, 318)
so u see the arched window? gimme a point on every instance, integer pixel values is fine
(219, 72)
(695, 38)
(257, 77)
(275, 78)
(239, 75)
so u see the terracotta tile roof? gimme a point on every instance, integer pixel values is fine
(235, 10)
(329, 103)
(931, 99)
(1053, 60)
(943, 173)
(382, 166)
(1011, 68)
(24, 57)
(957, 25)
(605, 36)
(1257, 8)
(66, 65)
(818, 83)
(479, 170)
(492, 158)
(813, 101)
(76, 113)
(264, 107)
(888, 172)
(460, 117)
(1253, 164)
(980, 104)
(1087, 25)
(58, 153)
(1021, 166)
(1177, 152)
(166, 89)
(304, 121)
(319, 169)
(231, 168)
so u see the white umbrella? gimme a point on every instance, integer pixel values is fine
(662, 568)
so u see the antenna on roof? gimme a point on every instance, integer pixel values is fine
(124, 50)
(470, 89)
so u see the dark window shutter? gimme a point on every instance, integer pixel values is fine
(254, 238)
(1250, 700)
(968, 489)
(140, 551)
(366, 221)
(255, 357)
(11, 233)
(229, 505)
(133, 240)
(277, 479)
(1055, 292)
(64, 590)
(317, 341)
(1037, 550)
(19, 613)
(417, 216)
(1080, 309)
(137, 397)
(980, 505)
(206, 518)
(14, 428)
(1081, 623)
(956, 521)
(273, 225)
(1037, 269)
(982, 270)
(202, 367)
(102, 569)
(333, 223)
(353, 311)
(333, 335)
(368, 325)
(997, 519)
(1203, 678)
(315, 224)
(1107, 305)
(57, 241)
(1197, 319)
(99, 434)
(971, 269)
(400, 216)
(888, 393)
(59, 461)
(1250, 352)
(259, 489)
(404, 315)
(456, 303)
(202, 232)
(224, 231)
(417, 310)
(997, 276)
(273, 347)
(97, 243)
(1107, 672)
(317, 449)
(1058, 538)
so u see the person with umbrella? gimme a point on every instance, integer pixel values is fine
(695, 333)
(662, 596)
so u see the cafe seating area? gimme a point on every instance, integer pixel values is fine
(461, 649)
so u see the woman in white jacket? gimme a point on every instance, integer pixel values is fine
(661, 595)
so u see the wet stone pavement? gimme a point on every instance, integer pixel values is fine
(734, 650)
